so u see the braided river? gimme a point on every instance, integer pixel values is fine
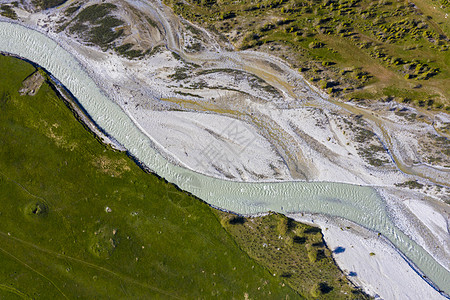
(359, 204)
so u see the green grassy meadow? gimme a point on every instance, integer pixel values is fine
(80, 220)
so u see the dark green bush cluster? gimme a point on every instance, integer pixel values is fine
(226, 15)
(180, 74)
(45, 4)
(412, 184)
(316, 44)
(100, 26)
(8, 12)
(419, 71)
(267, 27)
(207, 3)
(94, 13)
(394, 31)
(72, 9)
(127, 51)
(445, 3)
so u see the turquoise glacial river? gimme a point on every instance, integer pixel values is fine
(359, 204)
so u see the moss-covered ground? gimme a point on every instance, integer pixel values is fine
(294, 251)
(80, 220)
(358, 49)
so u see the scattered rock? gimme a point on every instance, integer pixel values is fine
(32, 84)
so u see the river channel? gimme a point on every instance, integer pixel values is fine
(360, 204)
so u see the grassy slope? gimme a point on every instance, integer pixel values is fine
(293, 251)
(58, 240)
(361, 40)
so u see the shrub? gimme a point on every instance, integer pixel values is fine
(267, 27)
(72, 9)
(45, 4)
(411, 184)
(95, 12)
(315, 44)
(315, 291)
(226, 15)
(237, 220)
(8, 12)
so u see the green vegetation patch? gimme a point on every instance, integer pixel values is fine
(72, 9)
(96, 24)
(127, 51)
(45, 4)
(292, 252)
(411, 184)
(7, 11)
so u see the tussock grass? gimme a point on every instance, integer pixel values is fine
(363, 45)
